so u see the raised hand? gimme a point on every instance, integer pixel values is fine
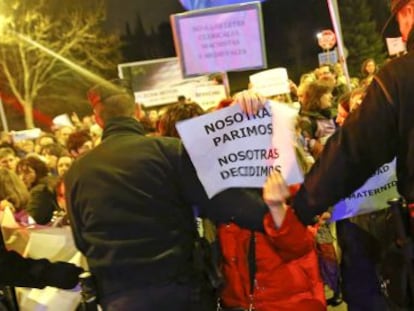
(275, 193)
(249, 101)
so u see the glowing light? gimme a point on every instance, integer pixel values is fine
(79, 69)
(3, 23)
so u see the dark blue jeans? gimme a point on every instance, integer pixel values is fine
(362, 240)
(171, 297)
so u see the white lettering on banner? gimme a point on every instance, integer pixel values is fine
(216, 143)
(372, 196)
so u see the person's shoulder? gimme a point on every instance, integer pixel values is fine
(400, 63)
(166, 141)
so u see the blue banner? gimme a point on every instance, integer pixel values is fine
(203, 4)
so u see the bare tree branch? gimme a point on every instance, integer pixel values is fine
(72, 31)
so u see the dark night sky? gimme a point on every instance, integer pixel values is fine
(278, 16)
(298, 51)
(152, 12)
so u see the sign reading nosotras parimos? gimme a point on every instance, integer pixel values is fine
(231, 149)
(372, 196)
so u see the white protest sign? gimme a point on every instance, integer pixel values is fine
(231, 149)
(208, 96)
(395, 46)
(158, 97)
(372, 196)
(270, 82)
(26, 134)
(52, 243)
(62, 120)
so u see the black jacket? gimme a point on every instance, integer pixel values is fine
(15, 270)
(129, 202)
(43, 200)
(381, 129)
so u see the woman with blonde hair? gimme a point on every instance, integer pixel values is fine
(13, 194)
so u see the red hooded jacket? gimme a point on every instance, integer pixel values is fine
(287, 274)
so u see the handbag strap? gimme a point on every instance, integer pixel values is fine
(251, 259)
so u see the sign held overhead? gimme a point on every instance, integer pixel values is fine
(226, 38)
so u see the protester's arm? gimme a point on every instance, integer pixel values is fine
(367, 140)
(289, 236)
(38, 273)
(275, 193)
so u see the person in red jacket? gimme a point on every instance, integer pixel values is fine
(274, 270)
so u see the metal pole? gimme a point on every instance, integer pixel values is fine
(3, 117)
(334, 12)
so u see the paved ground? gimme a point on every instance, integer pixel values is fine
(341, 307)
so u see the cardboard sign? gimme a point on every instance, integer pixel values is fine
(160, 82)
(372, 196)
(395, 46)
(222, 39)
(328, 57)
(231, 149)
(62, 120)
(270, 82)
(26, 134)
(208, 96)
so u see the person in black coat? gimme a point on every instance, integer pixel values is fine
(130, 202)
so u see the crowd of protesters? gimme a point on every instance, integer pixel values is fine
(322, 99)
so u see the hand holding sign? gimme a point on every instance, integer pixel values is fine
(275, 190)
(230, 148)
(275, 193)
(250, 102)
